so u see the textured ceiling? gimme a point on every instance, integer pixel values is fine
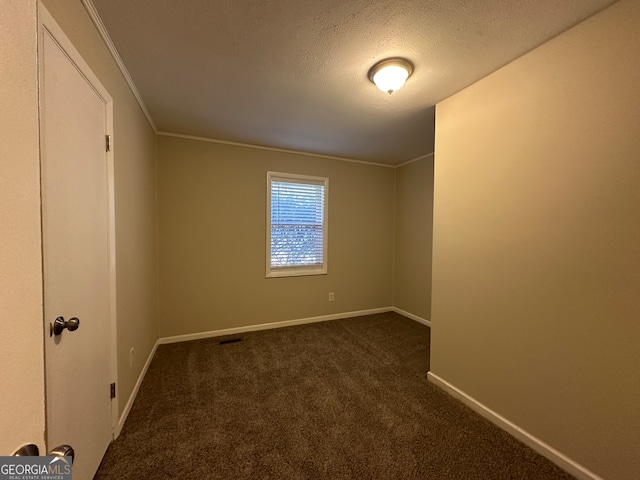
(292, 74)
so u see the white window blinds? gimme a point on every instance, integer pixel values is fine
(297, 224)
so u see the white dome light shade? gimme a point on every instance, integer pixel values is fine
(390, 75)
(390, 78)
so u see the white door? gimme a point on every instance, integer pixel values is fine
(76, 215)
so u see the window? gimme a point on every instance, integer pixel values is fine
(296, 225)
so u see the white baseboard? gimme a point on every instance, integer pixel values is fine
(134, 393)
(418, 319)
(525, 437)
(248, 328)
(269, 326)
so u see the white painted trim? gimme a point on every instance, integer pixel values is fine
(303, 270)
(97, 21)
(415, 160)
(47, 25)
(134, 393)
(416, 318)
(557, 457)
(272, 149)
(249, 328)
(113, 297)
(102, 30)
(269, 326)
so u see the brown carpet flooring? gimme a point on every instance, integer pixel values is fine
(346, 399)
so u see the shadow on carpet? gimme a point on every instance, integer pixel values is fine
(345, 399)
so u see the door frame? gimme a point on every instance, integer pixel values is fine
(48, 26)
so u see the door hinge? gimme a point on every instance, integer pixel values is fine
(113, 390)
(107, 139)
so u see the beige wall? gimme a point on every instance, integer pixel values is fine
(536, 253)
(413, 231)
(212, 238)
(135, 185)
(21, 352)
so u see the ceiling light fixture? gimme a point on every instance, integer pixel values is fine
(389, 75)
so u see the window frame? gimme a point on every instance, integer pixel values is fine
(302, 270)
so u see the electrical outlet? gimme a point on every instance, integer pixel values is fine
(331, 297)
(131, 357)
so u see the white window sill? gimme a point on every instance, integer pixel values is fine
(296, 271)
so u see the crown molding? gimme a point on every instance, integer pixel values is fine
(272, 149)
(97, 21)
(415, 160)
(102, 30)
